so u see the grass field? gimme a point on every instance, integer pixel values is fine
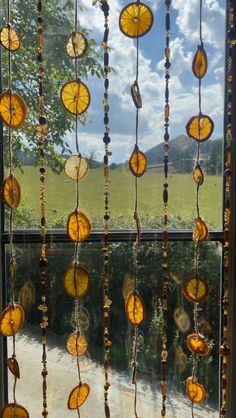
(61, 197)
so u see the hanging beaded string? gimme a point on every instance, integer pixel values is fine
(75, 97)
(165, 213)
(136, 20)
(224, 348)
(12, 318)
(134, 362)
(41, 134)
(105, 249)
(199, 128)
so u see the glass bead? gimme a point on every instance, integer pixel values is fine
(167, 53)
(167, 111)
(163, 388)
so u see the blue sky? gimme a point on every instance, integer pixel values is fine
(183, 86)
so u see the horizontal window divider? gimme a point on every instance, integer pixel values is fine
(58, 235)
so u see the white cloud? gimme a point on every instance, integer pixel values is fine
(183, 85)
(188, 20)
(181, 60)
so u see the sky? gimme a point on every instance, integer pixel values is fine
(183, 84)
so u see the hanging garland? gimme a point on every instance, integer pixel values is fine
(165, 276)
(41, 134)
(224, 348)
(136, 20)
(195, 289)
(106, 139)
(75, 98)
(13, 113)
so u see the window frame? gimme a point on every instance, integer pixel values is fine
(59, 236)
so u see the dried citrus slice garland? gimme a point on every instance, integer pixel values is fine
(76, 281)
(198, 175)
(11, 192)
(78, 226)
(199, 65)
(9, 39)
(76, 45)
(198, 345)
(14, 410)
(76, 167)
(76, 344)
(195, 391)
(200, 127)
(137, 162)
(135, 20)
(75, 97)
(78, 396)
(13, 110)
(13, 366)
(196, 289)
(134, 308)
(11, 320)
(200, 232)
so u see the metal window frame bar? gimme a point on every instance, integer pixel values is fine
(60, 236)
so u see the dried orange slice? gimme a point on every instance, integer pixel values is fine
(11, 320)
(13, 366)
(135, 20)
(75, 97)
(76, 167)
(181, 359)
(200, 127)
(137, 162)
(78, 226)
(13, 109)
(76, 281)
(136, 96)
(200, 232)
(195, 392)
(134, 308)
(78, 396)
(14, 410)
(76, 344)
(198, 175)
(199, 66)
(80, 318)
(128, 285)
(196, 289)
(76, 45)
(11, 193)
(198, 345)
(182, 320)
(9, 38)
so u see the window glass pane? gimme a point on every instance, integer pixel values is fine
(62, 368)
(183, 103)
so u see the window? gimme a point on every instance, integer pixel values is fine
(60, 200)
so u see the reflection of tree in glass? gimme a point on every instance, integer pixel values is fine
(150, 288)
(58, 70)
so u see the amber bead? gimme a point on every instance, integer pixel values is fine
(224, 350)
(223, 383)
(107, 411)
(43, 262)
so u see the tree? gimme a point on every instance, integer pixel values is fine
(59, 68)
(214, 165)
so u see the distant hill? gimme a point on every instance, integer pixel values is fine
(182, 152)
